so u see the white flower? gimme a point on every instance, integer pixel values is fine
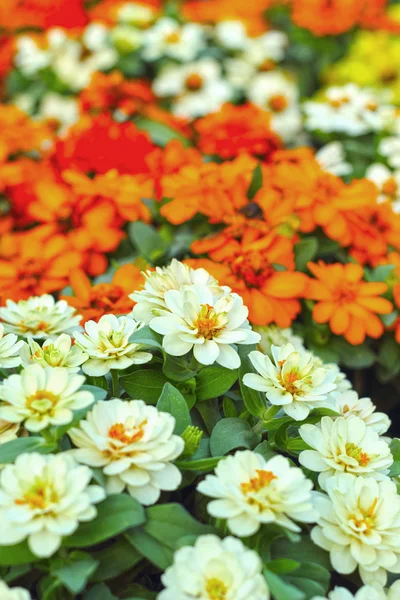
(388, 184)
(251, 491)
(275, 92)
(134, 444)
(348, 404)
(344, 445)
(8, 431)
(197, 88)
(9, 350)
(64, 110)
(231, 35)
(390, 148)
(214, 569)
(126, 39)
(291, 381)
(168, 38)
(29, 58)
(272, 335)
(40, 397)
(195, 319)
(17, 593)
(359, 525)
(340, 379)
(108, 347)
(39, 317)
(54, 353)
(331, 158)
(366, 592)
(163, 279)
(43, 499)
(136, 14)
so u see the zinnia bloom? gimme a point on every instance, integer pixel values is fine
(54, 353)
(9, 350)
(49, 497)
(349, 304)
(17, 593)
(348, 404)
(133, 444)
(216, 567)
(251, 491)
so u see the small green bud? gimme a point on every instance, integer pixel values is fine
(191, 436)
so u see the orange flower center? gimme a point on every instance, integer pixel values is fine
(42, 401)
(361, 457)
(39, 496)
(253, 268)
(105, 295)
(119, 432)
(390, 187)
(262, 480)
(267, 65)
(278, 103)
(372, 106)
(194, 82)
(366, 519)
(338, 102)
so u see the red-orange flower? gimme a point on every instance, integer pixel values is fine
(19, 14)
(236, 129)
(251, 13)
(19, 133)
(349, 304)
(94, 301)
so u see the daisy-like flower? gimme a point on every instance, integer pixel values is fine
(39, 317)
(388, 183)
(272, 335)
(251, 491)
(17, 593)
(197, 88)
(8, 431)
(276, 93)
(331, 158)
(43, 499)
(163, 279)
(231, 35)
(359, 525)
(291, 380)
(108, 347)
(57, 353)
(134, 444)
(366, 592)
(195, 319)
(348, 404)
(168, 38)
(390, 148)
(340, 380)
(213, 569)
(344, 445)
(9, 350)
(40, 397)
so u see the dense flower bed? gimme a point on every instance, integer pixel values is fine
(199, 300)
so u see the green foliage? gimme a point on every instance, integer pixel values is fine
(229, 434)
(172, 402)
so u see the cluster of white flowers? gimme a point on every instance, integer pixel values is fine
(349, 109)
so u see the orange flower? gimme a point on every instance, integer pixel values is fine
(124, 192)
(251, 13)
(19, 14)
(249, 267)
(349, 304)
(217, 191)
(236, 129)
(19, 133)
(374, 229)
(94, 301)
(106, 11)
(35, 262)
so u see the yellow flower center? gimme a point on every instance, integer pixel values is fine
(40, 496)
(194, 82)
(278, 103)
(119, 432)
(173, 37)
(262, 480)
(42, 401)
(208, 322)
(338, 102)
(216, 589)
(267, 65)
(361, 457)
(364, 521)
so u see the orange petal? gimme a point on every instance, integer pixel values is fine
(339, 321)
(80, 283)
(323, 311)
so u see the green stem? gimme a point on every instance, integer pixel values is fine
(270, 414)
(115, 383)
(258, 427)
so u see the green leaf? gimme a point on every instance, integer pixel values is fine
(283, 565)
(160, 134)
(147, 337)
(99, 592)
(281, 590)
(76, 572)
(311, 578)
(254, 401)
(145, 385)
(168, 523)
(304, 551)
(229, 434)
(354, 357)
(256, 182)
(265, 450)
(229, 407)
(171, 401)
(147, 240)
(395, 450)
(203, 464)
(99, 382)
(214, 381)
(116, 514)
(114, 560)
(99, 393)
(304, 251)
(19, 554)
(177, 368)
(389, 357)
(150, 548)
(10, 450)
